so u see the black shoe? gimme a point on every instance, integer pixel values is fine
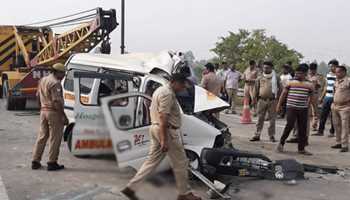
(272, 139)
(54, 166)
(293, 140)
(129, 193)
(255, 139)
(345, 149)
(318, 134)
(304, 152)
(36, 165)
(337, 146)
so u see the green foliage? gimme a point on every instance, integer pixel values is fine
(239, 48)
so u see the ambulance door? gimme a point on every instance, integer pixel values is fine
(129, 130)
(91, 135)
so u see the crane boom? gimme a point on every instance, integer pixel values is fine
(26, 51)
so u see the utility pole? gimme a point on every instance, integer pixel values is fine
(122, 44)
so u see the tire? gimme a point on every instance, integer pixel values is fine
(69, 141)
(10, 103)
(21, 104)
(69, 144)
(194, 161)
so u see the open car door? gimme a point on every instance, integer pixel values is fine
(128, 128)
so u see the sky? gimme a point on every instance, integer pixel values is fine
(319, 29)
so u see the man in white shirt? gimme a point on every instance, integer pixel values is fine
(221, 73)
(285, 77)
(231, 85)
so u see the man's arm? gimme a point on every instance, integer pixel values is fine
(256, 91)
(204, 83)
(164, 108)
(163, 125)
(58, 101)
(312, 96)
(38, 94)
(324, 90)
(282, 99)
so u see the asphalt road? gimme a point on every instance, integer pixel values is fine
(100, 179)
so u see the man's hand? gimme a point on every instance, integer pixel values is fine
(320, 101)
(164, 146)
(278, 108)
(65, 120)
(255, 101)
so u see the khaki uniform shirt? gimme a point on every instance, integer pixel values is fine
(164, 101)
(342, 93)
(49, 91)
(250, 76)
(318, 81)
(212, 83)
(264, 88)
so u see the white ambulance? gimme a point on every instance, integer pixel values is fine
(107, 101)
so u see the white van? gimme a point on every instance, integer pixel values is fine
(107, 102)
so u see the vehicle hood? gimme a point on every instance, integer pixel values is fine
(205, 101)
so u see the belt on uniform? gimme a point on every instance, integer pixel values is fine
(47, 108)
(169, 126)
(346, 103)
(265, 99)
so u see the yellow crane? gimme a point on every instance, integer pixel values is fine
(27, 51)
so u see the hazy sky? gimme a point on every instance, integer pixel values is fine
(319, 29)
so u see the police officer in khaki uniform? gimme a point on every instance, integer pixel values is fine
(249, 76)
(165, 140)
(319, 83)
(52, 118)
(267, 88)
(341, 109)
(213, 83)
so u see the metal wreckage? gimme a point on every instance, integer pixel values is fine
(111, 116)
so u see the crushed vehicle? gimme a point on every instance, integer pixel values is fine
(107, 102)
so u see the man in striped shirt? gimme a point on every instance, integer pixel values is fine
(327, 99)
(299, 93)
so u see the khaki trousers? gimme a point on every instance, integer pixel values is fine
(314, 112)
(341, 122)
(232, 97)
(249, 92)
(51, 128)
(266, 106)
(177, 155)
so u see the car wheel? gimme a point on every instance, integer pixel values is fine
(10, 103)
(194, 162)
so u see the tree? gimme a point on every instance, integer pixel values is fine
(239, 48)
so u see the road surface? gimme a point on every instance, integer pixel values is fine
(100, 179)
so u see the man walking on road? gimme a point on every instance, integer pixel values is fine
(298, 93)
(327, 99)
(52, 118)
(266, 91)
(341, 109)
(249, 76)
(231, 85)
(165, 140)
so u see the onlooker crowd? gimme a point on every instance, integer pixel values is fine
(293, 94)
